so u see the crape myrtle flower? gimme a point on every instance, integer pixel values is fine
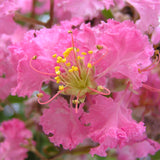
(79, 61)
(14, 135)
(8, 75)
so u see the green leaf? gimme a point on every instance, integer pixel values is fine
(16, 99)
(107, 14)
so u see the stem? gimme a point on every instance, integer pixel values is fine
(33, 8)
(20, 17)
(34, 150)
(50, 21)
(80, 150)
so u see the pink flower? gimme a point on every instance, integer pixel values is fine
(8, 75)
(138, 150)
(149, 12)
(116, 57)
(63, 124)
(124, 59)
(15, 134)
(8, 7)
(111, 124)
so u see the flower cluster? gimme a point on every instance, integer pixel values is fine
(90, 75)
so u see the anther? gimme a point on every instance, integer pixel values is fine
(79, 57)
(58, 72)
(89, 65)
(90, 52)
(34, 57)
(40, 95)
(68, 64)
(75, 101)
(67, 52)
(54, 55)
(75, 68)
(63, 60)
(57, 68)
(70, 70)
(99, 47)
(83, 53)
(61, 87)
(69, 31)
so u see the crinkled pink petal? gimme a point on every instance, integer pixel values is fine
(15, 134)
(111, 124)
(156, 36)
(149, 12)
(64, 123)
(79, 8)
(44, 45)
(7, 68)
(126, 49)
(138, 150)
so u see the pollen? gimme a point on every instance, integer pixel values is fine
(57, 78)
(34, 57)
(75, 68)
(99, 47)
(69, 31)
(90, 52)
(58, 72)
(79, 57)
(61, 87)
(77, 50)
(84, 53)
(40, 95)
(59, 59)
(68, 64)
(57, 68)
(54, 55)
(89, 65)
(63, 60)
(70, 70)
(67, 52)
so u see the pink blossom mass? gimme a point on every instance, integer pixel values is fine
(15, 135)
(83, 76)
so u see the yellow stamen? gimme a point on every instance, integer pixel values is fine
(63, 60)
(90, 52)
(67, 52)
(34, 57)
(61, 87)
(77, 50)
(58, 72)
(57, 79)
(59, 59)
(40, 95)
(75, 68)
(89, 65)
(57, 68)
(68, 64)
(69, 31)
(83, 53)
(99, 47)
(54, 55)
(70, 70)
(79, 57)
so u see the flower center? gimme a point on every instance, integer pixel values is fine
(73, 73)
